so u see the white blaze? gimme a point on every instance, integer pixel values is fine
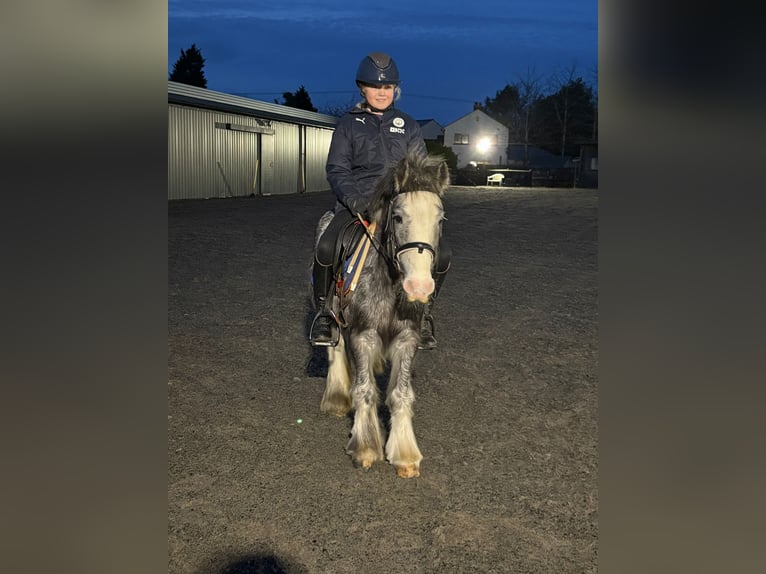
(421, 213)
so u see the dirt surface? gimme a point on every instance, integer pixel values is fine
(505, 411)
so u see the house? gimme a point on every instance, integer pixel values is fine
(432, 130)
(478, 138)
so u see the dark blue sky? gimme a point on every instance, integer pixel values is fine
(450, 53)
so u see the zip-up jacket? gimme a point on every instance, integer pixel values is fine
(363, 146)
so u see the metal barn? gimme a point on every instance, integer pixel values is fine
(220, 145)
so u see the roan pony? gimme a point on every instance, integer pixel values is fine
(380, 322)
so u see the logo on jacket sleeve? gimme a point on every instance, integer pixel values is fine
(397, 127)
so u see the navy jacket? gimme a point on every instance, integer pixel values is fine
(363, 146)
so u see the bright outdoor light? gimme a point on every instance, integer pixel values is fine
(483, 145)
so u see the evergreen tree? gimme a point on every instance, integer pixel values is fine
(506, 108)
(300, 99)
(438, 148)
(188, 68)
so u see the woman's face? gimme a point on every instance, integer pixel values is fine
(379, 97)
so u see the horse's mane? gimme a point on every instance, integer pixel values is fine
(412, 173)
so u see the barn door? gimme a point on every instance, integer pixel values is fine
(236, 156)
(244, 159)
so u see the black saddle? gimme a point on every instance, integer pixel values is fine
(348, 239)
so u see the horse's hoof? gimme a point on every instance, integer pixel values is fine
(337, 406)
(407, 471)
(365, 465)
(337, 412)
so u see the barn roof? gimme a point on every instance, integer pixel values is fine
(209, 99)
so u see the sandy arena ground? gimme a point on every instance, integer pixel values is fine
(505, 414)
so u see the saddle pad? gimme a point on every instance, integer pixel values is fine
(352, 267)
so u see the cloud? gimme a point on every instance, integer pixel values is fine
(445, 49)
(233, 9)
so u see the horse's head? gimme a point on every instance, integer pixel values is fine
(413, 221)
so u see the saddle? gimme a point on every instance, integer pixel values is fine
(351, 251)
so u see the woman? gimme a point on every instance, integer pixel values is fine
(368, 140)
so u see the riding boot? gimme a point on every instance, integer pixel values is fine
(427, 329)
(323, 332)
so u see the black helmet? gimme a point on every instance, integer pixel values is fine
(378, 69)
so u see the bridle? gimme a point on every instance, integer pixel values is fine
(395, 250)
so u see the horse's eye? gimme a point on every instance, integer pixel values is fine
(397, 218)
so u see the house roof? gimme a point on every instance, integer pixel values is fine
(477, 111)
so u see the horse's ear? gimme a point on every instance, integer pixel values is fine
(402, 175)
(442, 171)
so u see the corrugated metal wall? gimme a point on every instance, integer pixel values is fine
(191, 145)
(317, 148)
(217, 154)
(286, 157)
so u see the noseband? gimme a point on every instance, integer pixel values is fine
(395, 250)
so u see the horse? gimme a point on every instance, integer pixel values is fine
(380, 323)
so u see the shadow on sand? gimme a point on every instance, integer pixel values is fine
(260, 564)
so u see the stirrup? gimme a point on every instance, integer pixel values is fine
(334, 332)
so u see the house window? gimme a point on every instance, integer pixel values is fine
(460, 139)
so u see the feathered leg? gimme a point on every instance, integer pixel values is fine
(366, 443)
(402, 448)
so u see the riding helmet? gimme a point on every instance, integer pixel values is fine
(377, 69)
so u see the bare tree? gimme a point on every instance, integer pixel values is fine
(594, 84)
(337, 108)
(560, 82)
(529, 88)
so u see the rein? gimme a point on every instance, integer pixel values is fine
(374, 240)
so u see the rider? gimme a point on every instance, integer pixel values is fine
(368, 139)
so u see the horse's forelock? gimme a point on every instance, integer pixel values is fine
(413, 173)
(421, 173)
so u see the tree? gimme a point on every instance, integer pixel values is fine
(529, 92)
(570, 112)
(566, 117)
(339, 109)
(594, 84)
(505, 107)
(438, 148)
(514, 107)
(188, 68)
(300, 99)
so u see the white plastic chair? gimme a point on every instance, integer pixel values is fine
(495, 178)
